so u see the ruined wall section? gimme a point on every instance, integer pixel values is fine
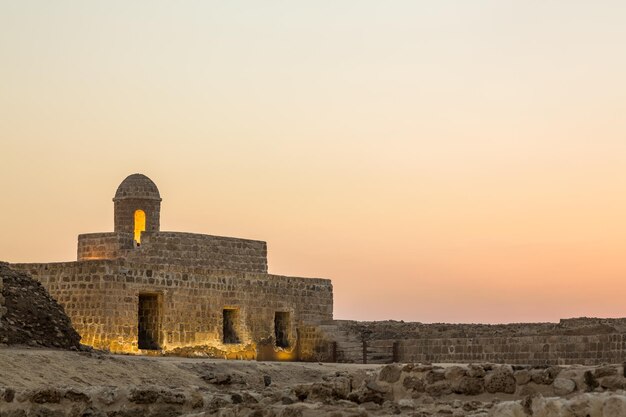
(528, 350)
(189, 249)
(101, 298)
(571, 341)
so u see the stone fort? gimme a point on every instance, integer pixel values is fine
(140, 290)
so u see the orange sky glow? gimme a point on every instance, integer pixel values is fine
(445, 161)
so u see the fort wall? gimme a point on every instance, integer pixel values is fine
(101, 297)
(572, 341)
(215, 252)
(112, 245)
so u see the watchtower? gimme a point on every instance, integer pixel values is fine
(137, 206)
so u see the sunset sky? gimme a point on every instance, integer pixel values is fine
(440, 161)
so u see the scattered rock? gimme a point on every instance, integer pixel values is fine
(563, 386)
(143, 396)
(605, 371)
(390, 374)
(476, 371)
(454, 372)
(501, 379)
(439, 388)
(76, 396)
(413, 383)
(44, 396)
(522, 377)
(468, 386)
(613, 382)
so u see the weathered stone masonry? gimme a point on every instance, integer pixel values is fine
(586, 341)
(138, 288)
(101, 298)
(174, 247)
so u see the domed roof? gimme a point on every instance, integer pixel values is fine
(137, 186)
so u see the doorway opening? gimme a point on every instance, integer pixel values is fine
(149, 322)
(230, 320)
(282, 324)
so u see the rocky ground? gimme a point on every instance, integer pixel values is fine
(40, 382)
(32, 316)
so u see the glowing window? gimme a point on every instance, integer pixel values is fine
(140, 224)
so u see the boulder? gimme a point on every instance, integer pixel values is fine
(390, 374)
(501, 379)
(439, 388)
(468, 386)
(563, 386)
(454, 372)
(614, 407)
(48, 395)
(369, 393)
(613, 382)
(143, 395)
(476, 371)
(603, 371)
(522, 377)
(435, 375)
(413, 383)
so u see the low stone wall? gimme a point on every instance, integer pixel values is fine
(101, 298)
(532, 350)
(214, 252)
(586, 341)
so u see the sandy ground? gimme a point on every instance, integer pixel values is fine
(59, 383)
(31, 368)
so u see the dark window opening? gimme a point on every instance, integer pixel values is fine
(281, 329)
(229, 327)
(149, 321)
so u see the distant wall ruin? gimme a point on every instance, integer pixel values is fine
(584, 341)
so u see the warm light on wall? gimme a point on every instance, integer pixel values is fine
(140, 224)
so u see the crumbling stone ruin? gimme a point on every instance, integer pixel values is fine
(31, 316)
(139, 290)
(585, 341)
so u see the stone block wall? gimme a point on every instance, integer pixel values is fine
(571, 341)
(104, 245)
(124, 214)
(527, 350)
(101, 298)
(213, 252)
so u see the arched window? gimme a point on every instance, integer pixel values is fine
(140, 224)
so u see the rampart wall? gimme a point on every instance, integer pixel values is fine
(571, 341)
(213, 252)
(101, 298)
(96, 246)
